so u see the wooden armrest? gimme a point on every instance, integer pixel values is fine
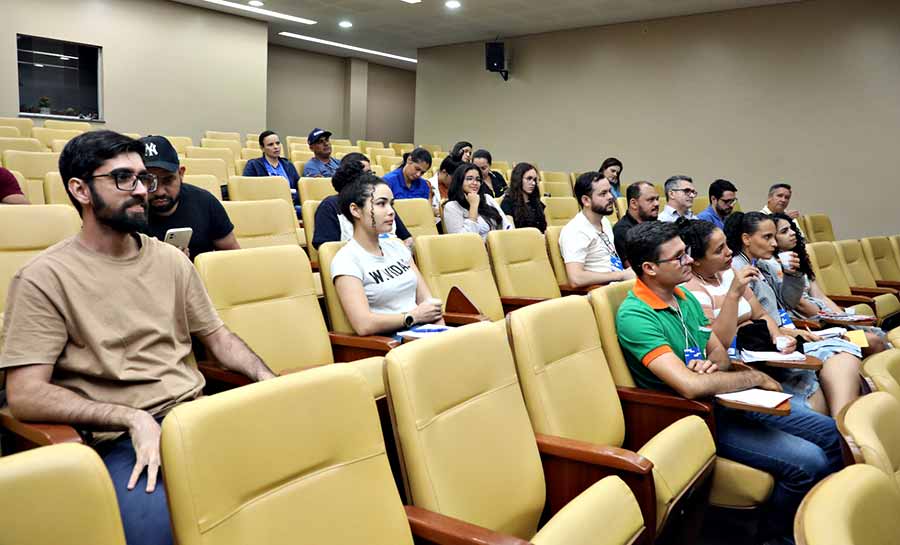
(33, 434)
(848, 300)
(213, 372)
(569, 289)
(314, 265)
(809, 324)
(459, 318)
(512, 303)
(431, 527)
(871, 292)
(892, 284)
(647, 412)
(352, 347)
(571, 467)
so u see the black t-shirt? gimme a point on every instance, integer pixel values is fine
(200, 211)
(532, 215)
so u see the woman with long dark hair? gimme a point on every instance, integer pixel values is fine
(468, 208)
(462, 152)
(523, 199)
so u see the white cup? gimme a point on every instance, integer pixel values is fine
(785, 258)
(782, 342)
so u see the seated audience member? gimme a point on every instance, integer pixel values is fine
(779, 200)
(611, 169)
(523, 199)
(680, 193)
(668, 346)
(10, 192)
(406, 181)
(462, 152)
(494, 182)
(98, 329)
(440, 185)
(323, 164)
(643, 205)
(272, 163)
(722, 198)
(587, 242)
(813, 301)
(751, 236)
(331, 224)
(376, 279)
(175, 204)
(468, 208)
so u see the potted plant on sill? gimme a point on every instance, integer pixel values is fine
(44, 105)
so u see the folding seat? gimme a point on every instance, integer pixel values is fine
(253, 139)
(735, 485)
(58, 145)
(700, 204)
(521, 266)
(439, 156)
(308, 211)
(46, 136)
(377, 170)
(818, 228)
(82, 126)
(855, 506)
(225, 154)
(20, 144)
(342, 149)
(30, 188)
(364, 145)
(559, 210)
(298, 154)
(551, 235)
(374, 153)
(33, 166)
(9, 132)
(250, 153)
(258, 188)
(252, 143)
(234, 145)
(468, 450)
(55, 191)
(207, 182)
(58, 494)
(215, 167)
(315, 189)
(871, 433)
(501, 166)
(267, 296)
(217, 135)
(340, 142)
(240, 165)
(432, 148)
(856, 266)
(24, 124)
(299, 166)
(556, 189)
(180, 143)
(883, 369)
(291, 141)
(400, 148)
(555, 176)
(388, 162)
(417, 215)
(570, 393)
(264, 223)
(882, 261)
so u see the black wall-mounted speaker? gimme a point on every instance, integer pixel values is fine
(494, 56)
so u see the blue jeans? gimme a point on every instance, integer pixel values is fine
(145, 517)
(798, 450)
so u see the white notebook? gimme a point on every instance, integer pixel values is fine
(754, 355)
(756, 396)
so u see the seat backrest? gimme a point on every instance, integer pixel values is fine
(560, 210)
(180, 143)
(432, 148)
(24, 124)
(871, 423)
(336, 315)
(58, 494)
(827, 266)
(301, 153)
(46, 136)
(215, 167)
(400, 147)
(33, 189)
(881, 258)
(37, 227)
(856, 506)
(520, 263)
(341, 142)
(323, 478)
(818, 228)
(225, 154)
(234, 145)
(267, 296)
(55, 191)
(250, 153)
(315, 189)
(466, 443)
(364, 145)
(308, 211)
(606, 301)
(258, 188)
(551, 234)
(500, 166)
(21, 144)
(417, 215)
(555, 189)
(263, 223)
(459, 260)
(205, 181)
(555, 176)
(884, 370)
(388, 162)
(82, 126)
(700, 204)
(567, 385)
(853, 261)
(375, 152)
(33, 165)
(219, 135)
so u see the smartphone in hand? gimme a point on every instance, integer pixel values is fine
(180, 238)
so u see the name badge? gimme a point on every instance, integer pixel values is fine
(692, 353)
(785, 319)
(616, 262)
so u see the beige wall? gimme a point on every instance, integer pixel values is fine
(391, 104)
(804, 92)
(168, 68)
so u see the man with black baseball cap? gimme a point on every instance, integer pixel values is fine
(323, 164)
(175, 204)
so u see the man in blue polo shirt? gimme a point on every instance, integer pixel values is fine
(406, 182)
(323, 164)
(722, 199)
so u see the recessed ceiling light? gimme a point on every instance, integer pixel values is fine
(39, 65)
(345, 24)
(256, 3)
(453, 4)
(411, 1)
(345, 46)
(260, 11)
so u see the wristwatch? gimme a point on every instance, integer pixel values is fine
(408, 320)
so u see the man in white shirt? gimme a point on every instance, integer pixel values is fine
(680, 192)
(587, 243)
(778, 202)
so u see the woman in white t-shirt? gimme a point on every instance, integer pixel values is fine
(468, 208)
(377, 282)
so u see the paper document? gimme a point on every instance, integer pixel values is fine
(831, 332)
(844, 317)
(858, 337)
(756, 396)
(423, 331)
(755, 355)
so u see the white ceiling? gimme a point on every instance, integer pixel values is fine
(393, 26)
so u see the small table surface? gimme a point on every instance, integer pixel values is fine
(782, 409)
(839, 322)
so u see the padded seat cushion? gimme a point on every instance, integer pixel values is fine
(373, 371)
(738, 486)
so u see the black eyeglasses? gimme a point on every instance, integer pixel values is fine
(126, 180)
(687, 191)
(682, 259)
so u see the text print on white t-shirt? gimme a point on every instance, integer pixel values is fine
(390, 272)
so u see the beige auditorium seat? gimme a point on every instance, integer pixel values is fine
(32, 190)
(521, 265)
(700, 204)
(264, 223)
(9, 132)
(558, 211)
(818, 228)
(342, 149)
(881, 259)
(336, 317)
(240, 165)
(82, 126)
(23, 124)
(225, 154)
(215, 167)
(234, 145)
(308, 212)
(883, 369)
(20, 144)
(219, 135)
(250, 153)
(207, 182)
(377, 170)
(46, 136)
(301, 153)
(364, 145)
(555, 176)
(57, 146)
(551, 235)
(501, 166)
(256, 188)
(401, 147)
(374, 153)
(432, 148)
(856, 506)
(58, 494)
(33, 166)
(55, 192)
(469, 452)
(417, 216)
(870, 428)
(857, 267)
(556, 190)
(180, 143)
(388, 162)
(315, 189)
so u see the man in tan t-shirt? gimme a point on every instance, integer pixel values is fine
(98, 328)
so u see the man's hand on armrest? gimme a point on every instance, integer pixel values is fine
(692, 384)
(233, 354)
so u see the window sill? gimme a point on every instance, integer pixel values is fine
(63, 117)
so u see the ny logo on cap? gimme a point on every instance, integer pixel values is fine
(150, 150)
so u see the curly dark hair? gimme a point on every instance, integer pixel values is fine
(696, 235)
(800, 248)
